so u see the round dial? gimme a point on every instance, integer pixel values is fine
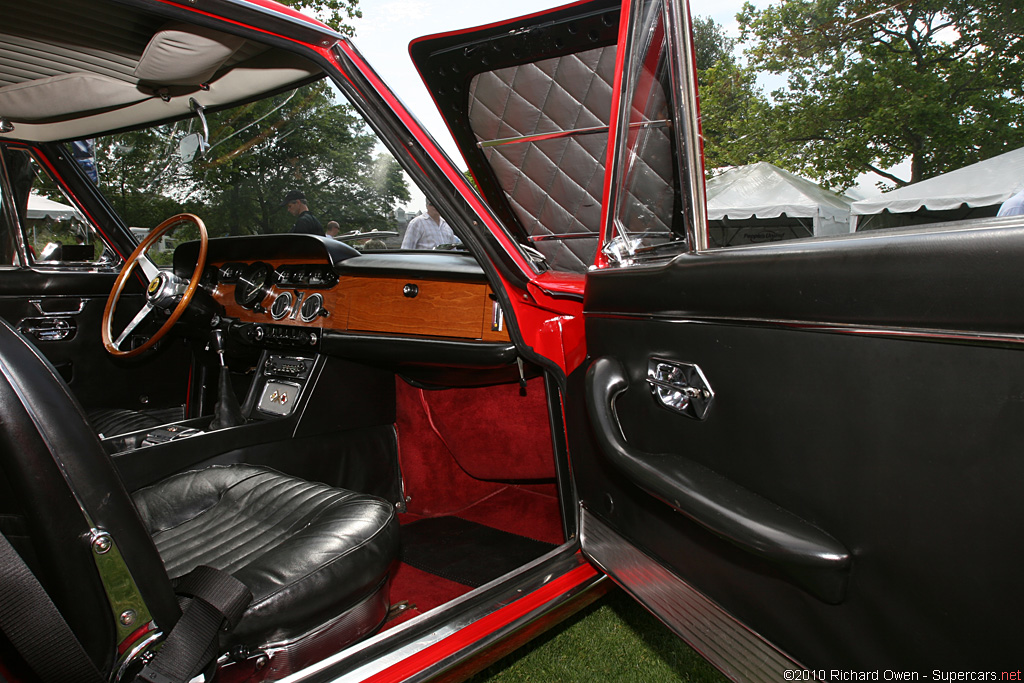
(311, 307)
(254, 284)
(282, 306)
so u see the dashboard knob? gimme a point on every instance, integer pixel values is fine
(258, 333)
(410, 290)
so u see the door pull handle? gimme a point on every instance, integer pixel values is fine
(59, 306)
(813, 559)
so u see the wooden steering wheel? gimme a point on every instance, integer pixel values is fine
(164, 291)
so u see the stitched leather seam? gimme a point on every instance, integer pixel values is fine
(367, 541)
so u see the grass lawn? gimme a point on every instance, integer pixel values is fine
(615, 639)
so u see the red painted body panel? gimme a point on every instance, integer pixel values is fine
(485, 627)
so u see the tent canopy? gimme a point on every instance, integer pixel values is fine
(986, 183)
(762, 190)
(41, 207)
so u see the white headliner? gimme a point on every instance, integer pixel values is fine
(50, 51)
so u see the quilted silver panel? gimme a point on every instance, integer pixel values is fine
(555, 185)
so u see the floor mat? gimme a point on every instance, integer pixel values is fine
(466, 552)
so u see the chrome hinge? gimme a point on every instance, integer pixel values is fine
(621, 249)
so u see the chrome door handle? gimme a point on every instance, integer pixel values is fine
(680, 387)
(49, 329)
(71, 306)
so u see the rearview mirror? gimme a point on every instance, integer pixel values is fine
(191, 145)
(195, 143)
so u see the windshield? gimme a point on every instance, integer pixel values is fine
(300, 161)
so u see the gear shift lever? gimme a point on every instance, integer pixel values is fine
(226, 413)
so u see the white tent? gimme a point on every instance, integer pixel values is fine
(765, 191)
(41, 207)
(987, 183)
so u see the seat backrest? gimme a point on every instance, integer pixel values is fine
(58, 485)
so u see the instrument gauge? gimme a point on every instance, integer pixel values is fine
(254, 283)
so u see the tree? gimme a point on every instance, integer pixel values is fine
(301, 139)
(731, 105)
(734, 116)
(871, 85)
(137, 171)
(334, 13)
(710, 44)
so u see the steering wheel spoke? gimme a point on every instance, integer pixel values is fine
(136, 321)
(164, 291)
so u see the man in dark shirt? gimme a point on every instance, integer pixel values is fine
(305, 222)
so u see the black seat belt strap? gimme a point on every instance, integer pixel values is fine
(218, 601)
(35, 626)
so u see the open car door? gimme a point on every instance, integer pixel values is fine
(798, 454)
(803, 453)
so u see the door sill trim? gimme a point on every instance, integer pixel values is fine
(729, 645)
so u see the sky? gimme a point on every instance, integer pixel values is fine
(387, 27)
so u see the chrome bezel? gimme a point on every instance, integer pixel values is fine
(316, 299)
(275, 311)
(249, 294)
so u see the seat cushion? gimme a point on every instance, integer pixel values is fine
(307, 551)
(116, 421)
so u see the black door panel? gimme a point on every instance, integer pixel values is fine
(75, 300)
(814, 559)
(959, 280)
(836, 400)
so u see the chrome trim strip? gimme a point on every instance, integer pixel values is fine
(690, 146)
(923, 334)
(376, 654)
(38, 303)
(557, 135)
(740, 653)
(564, 236)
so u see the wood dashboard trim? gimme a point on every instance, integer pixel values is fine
(373, 304)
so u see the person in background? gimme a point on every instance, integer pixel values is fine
(305, 222)
(1014, 206)
(332, 228)
(428, 231)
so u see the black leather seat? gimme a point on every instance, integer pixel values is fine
(309, 553)
(115, 421)
(313, 556)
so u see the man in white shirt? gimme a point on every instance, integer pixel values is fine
(1014, 206)
(428, 231)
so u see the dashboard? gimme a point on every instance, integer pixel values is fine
(295, 289)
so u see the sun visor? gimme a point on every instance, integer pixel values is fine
(185, 55)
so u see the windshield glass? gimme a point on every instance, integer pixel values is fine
(299, 161)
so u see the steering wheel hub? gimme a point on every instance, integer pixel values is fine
(165, 290)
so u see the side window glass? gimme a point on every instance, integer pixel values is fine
(55, 231)
(647, 203)
(844, 118)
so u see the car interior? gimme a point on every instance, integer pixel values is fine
(351, 433)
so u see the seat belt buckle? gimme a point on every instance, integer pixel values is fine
(151, 675)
